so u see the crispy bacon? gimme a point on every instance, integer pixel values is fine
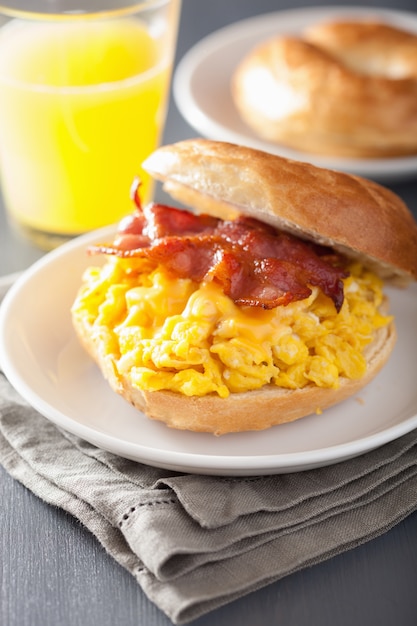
(255, 264)
(163, 223)
(265, 283)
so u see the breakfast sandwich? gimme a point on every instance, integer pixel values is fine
(261, 305)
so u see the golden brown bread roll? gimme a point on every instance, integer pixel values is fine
(353, 215)
(342, 88)
(252, 410)
(358, 217)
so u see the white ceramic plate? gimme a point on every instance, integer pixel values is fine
(202, 85)
(43, 360)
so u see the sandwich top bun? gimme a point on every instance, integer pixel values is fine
(355, 216)
(359, 218)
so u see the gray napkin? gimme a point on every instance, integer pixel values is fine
(194, 542)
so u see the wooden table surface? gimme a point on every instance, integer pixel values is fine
(54, 573)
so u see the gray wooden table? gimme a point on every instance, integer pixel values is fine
(54, 573)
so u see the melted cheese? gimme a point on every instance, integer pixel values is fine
(171, 333)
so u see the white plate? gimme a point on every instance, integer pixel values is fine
(201, 85)
(43, 360)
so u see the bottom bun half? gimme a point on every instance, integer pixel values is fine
(249, 411)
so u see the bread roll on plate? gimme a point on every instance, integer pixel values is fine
(261, 306)
(345, 88)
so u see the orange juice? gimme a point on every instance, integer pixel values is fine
(81, 105)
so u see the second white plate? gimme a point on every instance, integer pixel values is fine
(201, 85)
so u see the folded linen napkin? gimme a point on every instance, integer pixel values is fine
(196, 542)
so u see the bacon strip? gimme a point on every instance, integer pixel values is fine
(255, 264)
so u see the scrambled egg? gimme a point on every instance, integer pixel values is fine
(171, 333)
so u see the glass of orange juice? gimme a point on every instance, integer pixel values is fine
(84, 89)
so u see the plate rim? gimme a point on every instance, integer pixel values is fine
(182, 461)
(389, 169)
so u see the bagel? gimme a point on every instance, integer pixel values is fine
(346, 89)
(257, 409)
(212, 364)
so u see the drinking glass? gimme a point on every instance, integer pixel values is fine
(84, 88)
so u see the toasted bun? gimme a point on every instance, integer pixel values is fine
(253, 410)
(357, 217)
(344, 88)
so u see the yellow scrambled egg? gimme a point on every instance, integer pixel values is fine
(174, 334)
